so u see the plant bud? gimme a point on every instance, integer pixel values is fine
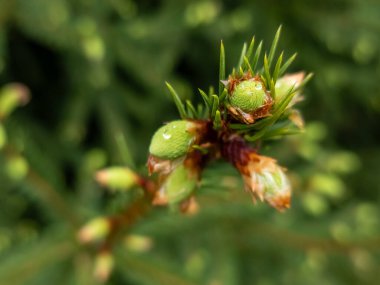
(12, 96)
(17, 167)
(94, 230)
(138, 243)
(284, 85)
(104, 264)
(117, 178)
(268, 182)
(177, 187)
(173, 140)
(248, 96)
(248, 99)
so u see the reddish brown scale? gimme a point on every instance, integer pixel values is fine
(264, 110)
(236, 151)
(233, 81)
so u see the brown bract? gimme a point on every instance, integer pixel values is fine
(252, 168)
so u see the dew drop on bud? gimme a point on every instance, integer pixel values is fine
(259, 86)
(166, 136)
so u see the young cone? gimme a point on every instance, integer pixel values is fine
(263, 178)
(248, 100)
(117, 178)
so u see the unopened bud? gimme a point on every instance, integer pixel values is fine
(104, 264)
(12, 96)
(117, 178)
(248, 99)
(248, 95)
(173, 140)
(94, 230)
(138, 243)
(285, 84)
(17, 167)
(178, 186)
(268, 182)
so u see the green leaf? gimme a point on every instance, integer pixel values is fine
(215, 105)
(242, 54)
(222, 68)
(274, 46)
(217, 120)
(257, 56)
(304, 82)
(277, 67)
(266, 72)
(202, 112)
(250, 49)
(272, 89)
(281, 129)
(287, 64)
(191, 110)
(223, 96)
(177, 101)
(124, 150)
(207, 101)
(248, 66)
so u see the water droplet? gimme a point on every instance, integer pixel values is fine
(259, 86)
(166, 136)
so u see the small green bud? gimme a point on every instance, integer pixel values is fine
(94, 230)
(3, 136)
(17, 167)
(172, 140)
(116, 178)
(104, 263)
(178, 186)
(248, 95)
(12, 96)
(138, 243)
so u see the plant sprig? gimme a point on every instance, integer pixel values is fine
(272, 68)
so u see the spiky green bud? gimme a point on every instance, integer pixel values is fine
(248, 95)
(172, 140)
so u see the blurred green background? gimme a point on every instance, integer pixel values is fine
(96, 72)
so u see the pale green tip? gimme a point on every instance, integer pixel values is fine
(179, 185)
(172, 140)
(118, 178)
(248, 96)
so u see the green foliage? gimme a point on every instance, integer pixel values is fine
(96, 69)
